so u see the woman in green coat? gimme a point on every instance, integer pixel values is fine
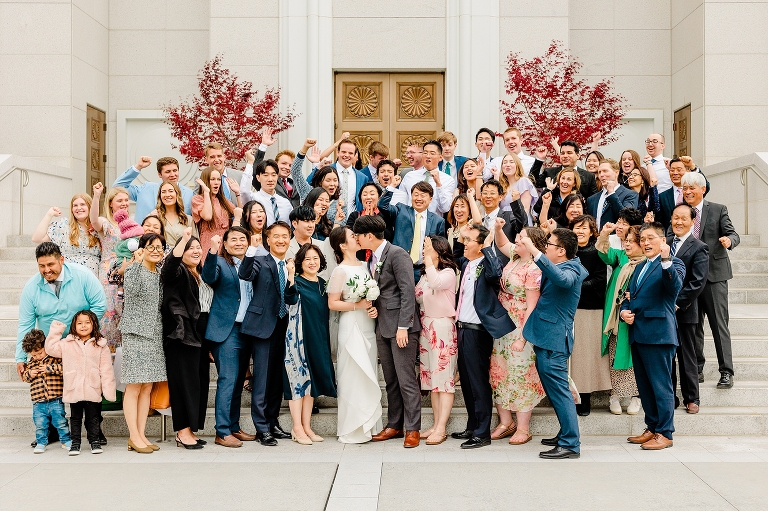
(616, 332)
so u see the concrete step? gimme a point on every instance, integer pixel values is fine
(17, 253)
(749, 281)
(745, 369)
(749, 240)
(742, 267)
(743, 346)
(748, 296)
(749, 253)
(25, 268)
(13, 281)
(24, 240)
(10, 296)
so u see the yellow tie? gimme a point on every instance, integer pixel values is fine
(416, 247)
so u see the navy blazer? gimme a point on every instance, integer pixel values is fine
(666, 206)
(695, 256)
(653, 302)
(621, 198)
(459, 160)
(360, 180)
(493, 316)
(405, 219)
(262, 315)
(550, 325)
(222, 277)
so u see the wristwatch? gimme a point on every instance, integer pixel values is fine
(666, 259)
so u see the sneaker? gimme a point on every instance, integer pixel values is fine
(615, 405)
(102, 438)
(634, 406)
(67, 445)
(96, 448)
(39, 449)
(74, 450)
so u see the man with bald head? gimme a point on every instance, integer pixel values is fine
(654, 161)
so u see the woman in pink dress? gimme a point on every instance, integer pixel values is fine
(438, 347)
(212, 212)
(514, 379)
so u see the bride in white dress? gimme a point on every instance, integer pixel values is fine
(359, 394)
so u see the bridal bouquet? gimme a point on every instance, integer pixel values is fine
(363, 287)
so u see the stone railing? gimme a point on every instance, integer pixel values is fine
(742, 185)
(28, 187)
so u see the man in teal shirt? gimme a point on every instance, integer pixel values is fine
(61, 290)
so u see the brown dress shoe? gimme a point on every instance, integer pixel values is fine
(243, 436)
(657, 443)
(411, 439)
(228, 441)
(692, 408)
(388, 433)
(641, 439)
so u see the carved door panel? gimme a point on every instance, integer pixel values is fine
(394, 108)
(682, 129)
(96, 158)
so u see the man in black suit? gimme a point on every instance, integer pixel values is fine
(284, 159)
(695, 256)
(569, 157)
(264, 327)
(607, 205)
(491, 193)
(713, 226)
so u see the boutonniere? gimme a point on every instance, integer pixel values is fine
(378, 267)
(478, 271)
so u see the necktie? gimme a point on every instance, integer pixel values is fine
(344, 188)
(281, 276)
(372, 263)
(275, 211)
(57, 286)
(697, 225)
(426, 176)
(653, 160)
(642, 272)
(605, 203)
(678, 196)
(673, 250)
(416, 245)
(486, 221)
(448, 168)
(287, 186)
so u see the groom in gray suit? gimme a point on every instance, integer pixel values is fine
(397, 329)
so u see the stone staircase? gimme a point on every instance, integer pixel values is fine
(742, 410)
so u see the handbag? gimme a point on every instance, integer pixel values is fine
(159, 398)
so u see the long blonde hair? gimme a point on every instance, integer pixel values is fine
(518, 171)
(74, 227)
(161, 209)
(111, 194)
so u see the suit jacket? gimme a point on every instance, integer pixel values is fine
(514, 220)
(715, 223)
(396, 303)
(550, 325)
(223, 278)
(493, 316)
(620, 198)
(695, 256)
(666, 206)
(360, 180)
(588, 186)
(652, 301)
(280, 190)
(237, 175)
(262, 315)
(459, 160)
(405, 219)
(180, 309)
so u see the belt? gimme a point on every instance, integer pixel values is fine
(471, 326)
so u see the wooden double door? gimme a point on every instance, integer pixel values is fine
(397, 109)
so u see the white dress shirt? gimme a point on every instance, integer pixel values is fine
(601, 203)
(662, 173)
(443, 195)
(284, 206)
(351, 199)
(467, 312)
(489, 219)
(527, 161)
(245, 294)
(423, 232)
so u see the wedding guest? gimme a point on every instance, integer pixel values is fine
(640, 182)
(308, 360)
(319, 200)
(572, 207)
(470, 176)
(451, 162)
(514, 379)
(567, 182)
(630, 160)
(615, 342)
(569, 158)
(463, 210)
(512, 177)
(442, 184)
(387, 175)
(655, 163)
(254, 219)
(265, 179)
(438, 347)
(589, 369)
(359, 394)
(75, 236)
(326, 177)
(212, 212)
(145, 194)
(591, 162)
(186, 363)
(369, 197)
(607, 205)
(141, 326)
(170, 211)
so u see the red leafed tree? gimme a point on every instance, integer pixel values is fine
(227, 111)
(548, 99)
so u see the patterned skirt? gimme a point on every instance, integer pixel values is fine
(143, 360)
(438, 354)
(514, 379)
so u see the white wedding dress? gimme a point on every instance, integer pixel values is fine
(359, 394)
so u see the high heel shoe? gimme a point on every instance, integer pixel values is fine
(316, 438)
(153, 446)
(201, 442)
(142, 450)
(302, 441)
(179, 443)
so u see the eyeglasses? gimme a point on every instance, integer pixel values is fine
(554, 245)
(466, 239)
(654, 141)
(154, 248)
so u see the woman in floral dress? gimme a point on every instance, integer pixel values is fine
(438, 346)
(514, 379)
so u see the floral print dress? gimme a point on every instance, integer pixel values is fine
(89, 257)
(109, 237)
(438, 345)
(514, 379)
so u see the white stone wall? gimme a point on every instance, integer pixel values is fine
(687, 20)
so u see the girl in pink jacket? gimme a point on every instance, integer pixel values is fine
(87, 366)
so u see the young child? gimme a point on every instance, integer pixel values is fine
(88, 374)
(44, 374)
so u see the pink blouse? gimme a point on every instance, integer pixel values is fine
(439, 288)
(221, 221)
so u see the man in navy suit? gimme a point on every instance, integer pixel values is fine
(451, 163)
(650, 313)
(695, 256)
(550, 329)
(605, 206)
(480, 319)
(264, 326)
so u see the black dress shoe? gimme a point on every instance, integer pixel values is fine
(266, 439)
(201, 442)
(315, 410)
(585, 407)
(278, 432)
(725, 382)
(559, 453)
(462, 435)
(475, 442)
(701, 377)
(552, 442)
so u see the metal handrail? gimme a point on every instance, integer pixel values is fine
(744, 177)
(23, 182)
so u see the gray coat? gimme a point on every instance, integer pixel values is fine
(715, 223)
(396, 303)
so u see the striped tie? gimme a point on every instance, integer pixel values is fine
(697, 225)
(275, 211)
(281, 276)
(673, 250)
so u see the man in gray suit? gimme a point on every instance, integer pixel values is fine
(397, 329)
(215, 157)
(713, 227)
